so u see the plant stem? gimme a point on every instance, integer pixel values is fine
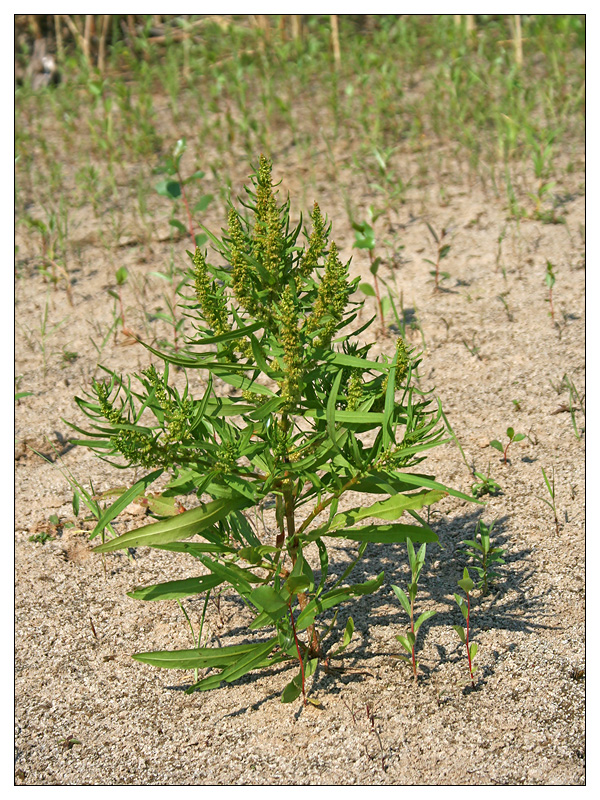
(467, 638)
(412, 630)
(298, 649)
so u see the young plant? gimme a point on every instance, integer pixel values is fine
(174, 189)
(512, 437)
(552, 502)
(550, 278)
(467, 585)
(442, 252)
(364, 239)
(486, 485)
(484, 555)
(306, 417)
(408, 641)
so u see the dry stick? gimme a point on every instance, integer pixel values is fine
(59, 40)
(518, 41)
(335, 41)
(87, 36)
(74, 30)
(102, 43)
(296, 26)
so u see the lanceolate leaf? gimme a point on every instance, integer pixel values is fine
(173, 590)
(388, 509)
(124, 500)
(180, 527)
(198, 658)
(390, 534)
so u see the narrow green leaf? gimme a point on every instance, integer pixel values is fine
(404, 642)
(121, 504)
(423, 618)
(293, 689)
(461, 632)
(179, 527)
(198, 658)
(402, 598)
(473, 647)
(390, 509)
(174, 590)
(384, 534)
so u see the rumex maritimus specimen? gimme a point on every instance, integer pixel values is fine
(301, 393)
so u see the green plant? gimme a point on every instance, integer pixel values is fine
(364, 239)
(484, 555)
(306, 417)
(121, 276)
(552, 502)
(512, 437)
(550, 279)
(442, 252)
(467, 585)
(486, 485)
(408, 641)
(174, 189)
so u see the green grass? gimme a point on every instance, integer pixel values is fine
(409, 86)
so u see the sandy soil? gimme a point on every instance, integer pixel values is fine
(86, 713)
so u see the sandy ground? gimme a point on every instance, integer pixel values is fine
(86, 713)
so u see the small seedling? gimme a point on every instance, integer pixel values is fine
(364, 239)
(486, 485)
(467, 585)
(472, 348)
(517, 405)
(174, 189)
(121, 276)
(68, 743)
(484, 555)
(442, 252)
(512, 437)
(550, 281)
(408, 641)
(552, 502)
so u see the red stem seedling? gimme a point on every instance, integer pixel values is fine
(550, 281)
(512, 437)
(467, 585)
(408, 604)
(442, 252)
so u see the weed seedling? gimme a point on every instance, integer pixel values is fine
(364, 239)
(512, 437)
(467, 585)
(484, 555)
(486, 485)
(552, 502)
(174, 189)
(442, 252)
(550, 281)
(408, 604)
